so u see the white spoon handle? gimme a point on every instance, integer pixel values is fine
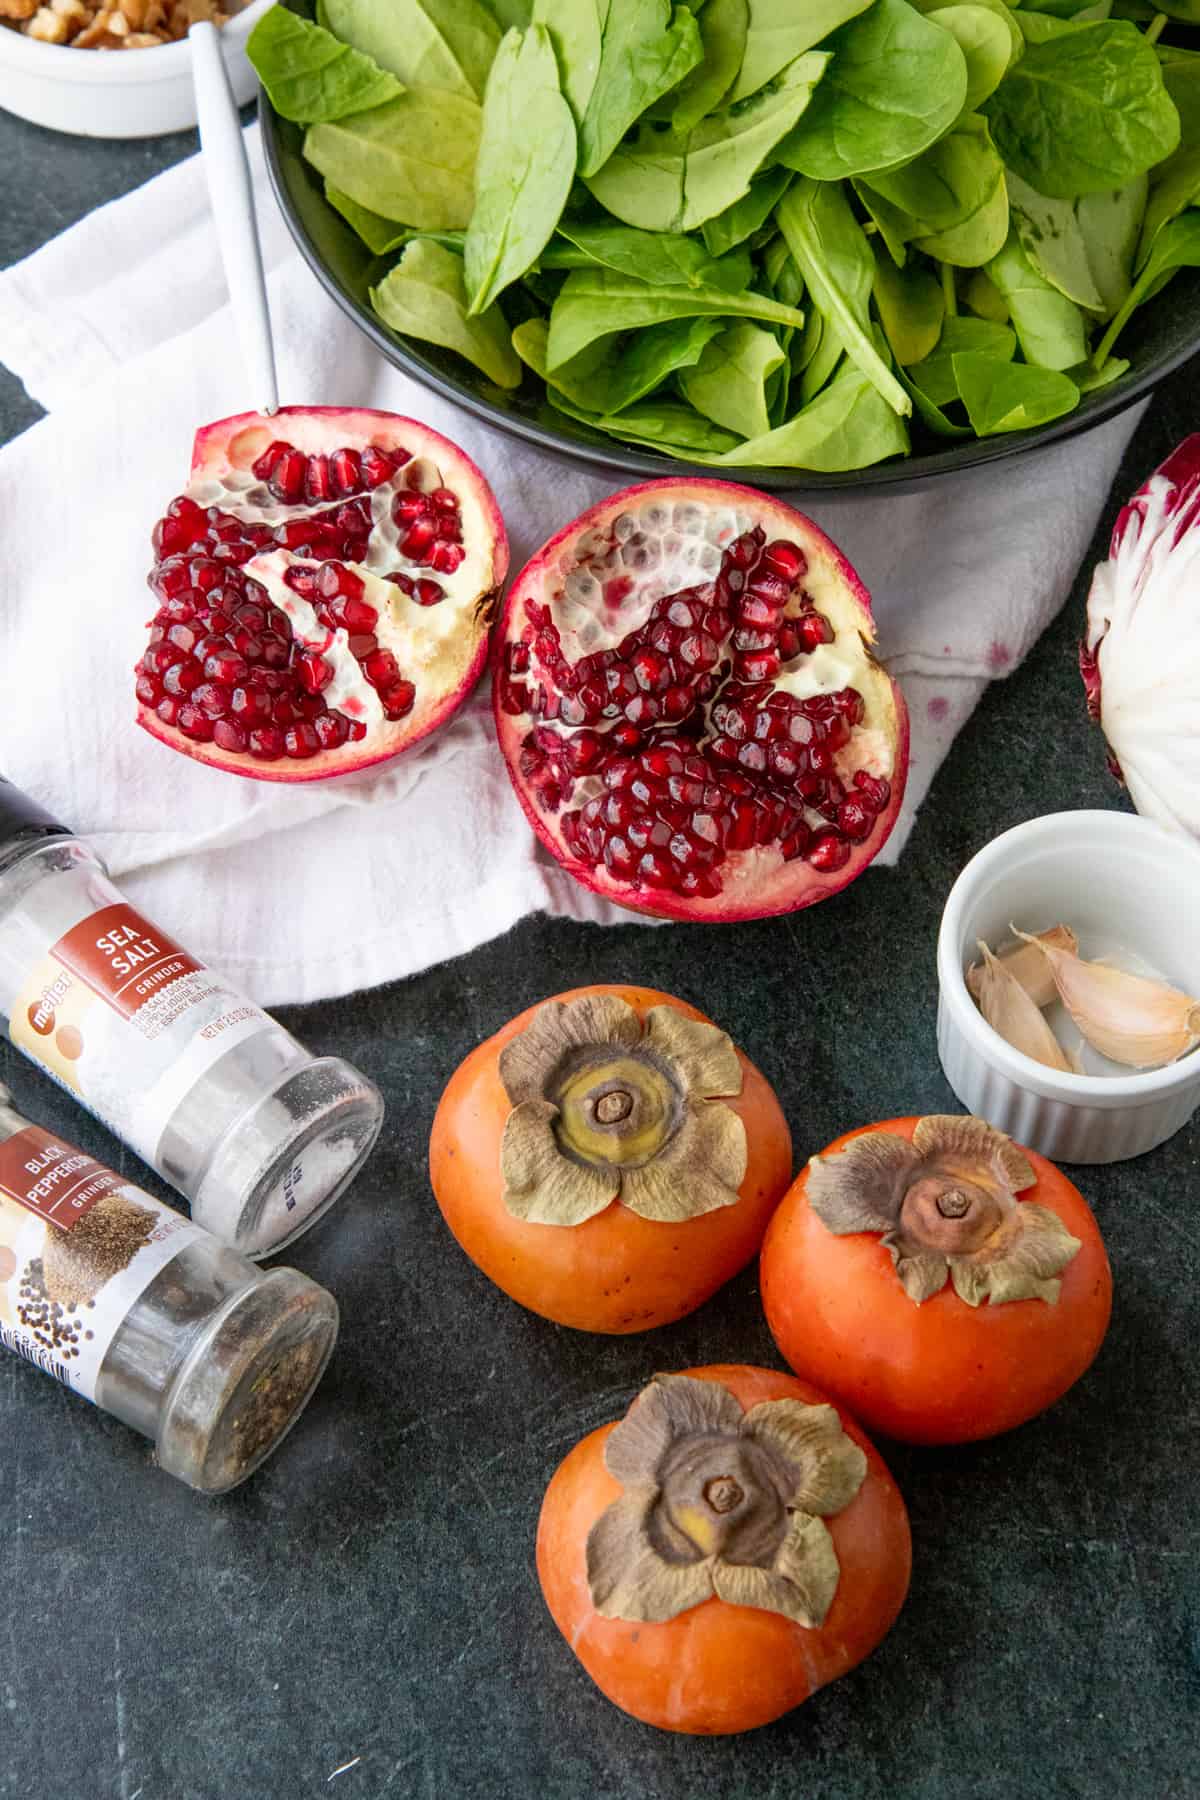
(232, 198)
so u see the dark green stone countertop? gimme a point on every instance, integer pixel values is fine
(367, 1603)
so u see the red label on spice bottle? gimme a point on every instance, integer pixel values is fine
(122, 957)
(53, 1179)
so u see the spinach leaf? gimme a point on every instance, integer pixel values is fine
(986, 43)
(729, 384)
(947, 184)
(309, 75)
(596, 302)
(574, 27)
(910, 304)
(663, 182)
(827, 355)
(1002, 396)
(848, 426)
(723, 26)
(780, 30)
(1088, 378)
(893, 226)
(747, 215)
(411, 160)
(613, 373)
(930, 414)
(896, 83)
(1084, 111)
(1111, 224)
(977, 238)
(666, 425)
(508, 13)
(1177, 246)
(1176, 186)
(522, 177)
(997, 8)
(1052, 238)
(980, 293)
(646, 48)
(380, 235)
(979, 337)
(661, 258)
(1050, 328)
(427, 43)
(831, 251)
(424, 297)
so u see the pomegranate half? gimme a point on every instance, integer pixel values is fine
(325, 589)
(689, 708)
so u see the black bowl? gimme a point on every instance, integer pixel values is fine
(1158, 339)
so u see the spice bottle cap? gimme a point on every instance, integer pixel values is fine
(21, 816)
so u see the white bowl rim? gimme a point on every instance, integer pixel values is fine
(1143, 1085)
(156, 62)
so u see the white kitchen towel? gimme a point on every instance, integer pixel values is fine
(121, 330)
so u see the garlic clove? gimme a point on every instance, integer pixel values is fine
(1009, 1010)
(1130, 1019)
(1028, 965)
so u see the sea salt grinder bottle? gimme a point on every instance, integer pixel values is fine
(139, 1310)
(260, 1136)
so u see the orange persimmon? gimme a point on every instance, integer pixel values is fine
(715, 1666)
(569, 1150)
(927, 1334)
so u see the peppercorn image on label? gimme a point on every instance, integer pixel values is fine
(78, 1246)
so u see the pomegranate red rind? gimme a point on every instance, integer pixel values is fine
(326, 588)
(688, 704)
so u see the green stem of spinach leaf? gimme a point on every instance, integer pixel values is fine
(1154, 29)
(949, 291)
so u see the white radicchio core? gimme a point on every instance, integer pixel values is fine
(1141, 658)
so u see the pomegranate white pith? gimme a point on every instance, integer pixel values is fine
(325, 588)
(689, 708)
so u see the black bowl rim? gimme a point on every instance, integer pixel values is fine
(913, 472)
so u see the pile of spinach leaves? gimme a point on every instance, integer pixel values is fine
(757, 231)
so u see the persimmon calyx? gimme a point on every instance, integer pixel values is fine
(721, 1502)
(607, 1108)
(946, 1206)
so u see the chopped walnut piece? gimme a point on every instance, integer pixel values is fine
(47, 27)
(18, 9)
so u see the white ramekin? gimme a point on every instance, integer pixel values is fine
(116, 93)
(1109, 875)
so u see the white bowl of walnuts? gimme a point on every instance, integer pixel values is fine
(115, 68)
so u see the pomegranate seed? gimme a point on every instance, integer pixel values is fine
(828, 852)
(418, 538)
(213, 697)
(168, 710)
(761, 665)
(767, 590)
(874, 791)
(814, 630)
(264, 467)
(677, 703)
(334, 579)
(227, 735)
(837, 733)
(699, 651)
(750, 638)
(362, 643)
(398, 699)
(287, 477)
(302, 580)
(314, 672)
(183, 676)
(789, 641)
(225, 665)
(318, 483)
(619, 856)
(752, 756)
(377, 466)
(743, 553)
(854, 820)
(148, 690)
(346, 471)
(380, 668)
(652, 670)
(251, 704)
(183, 637)
(784, 761)
(724, 749)
(757, 612)
(428, 593)
(194, 724)
(354, 615)
(445, 558)
(266, 742)
(785, 559)
(284, 711)
(300, 741)
(444, 499)
(331, 727)
(627, 737)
